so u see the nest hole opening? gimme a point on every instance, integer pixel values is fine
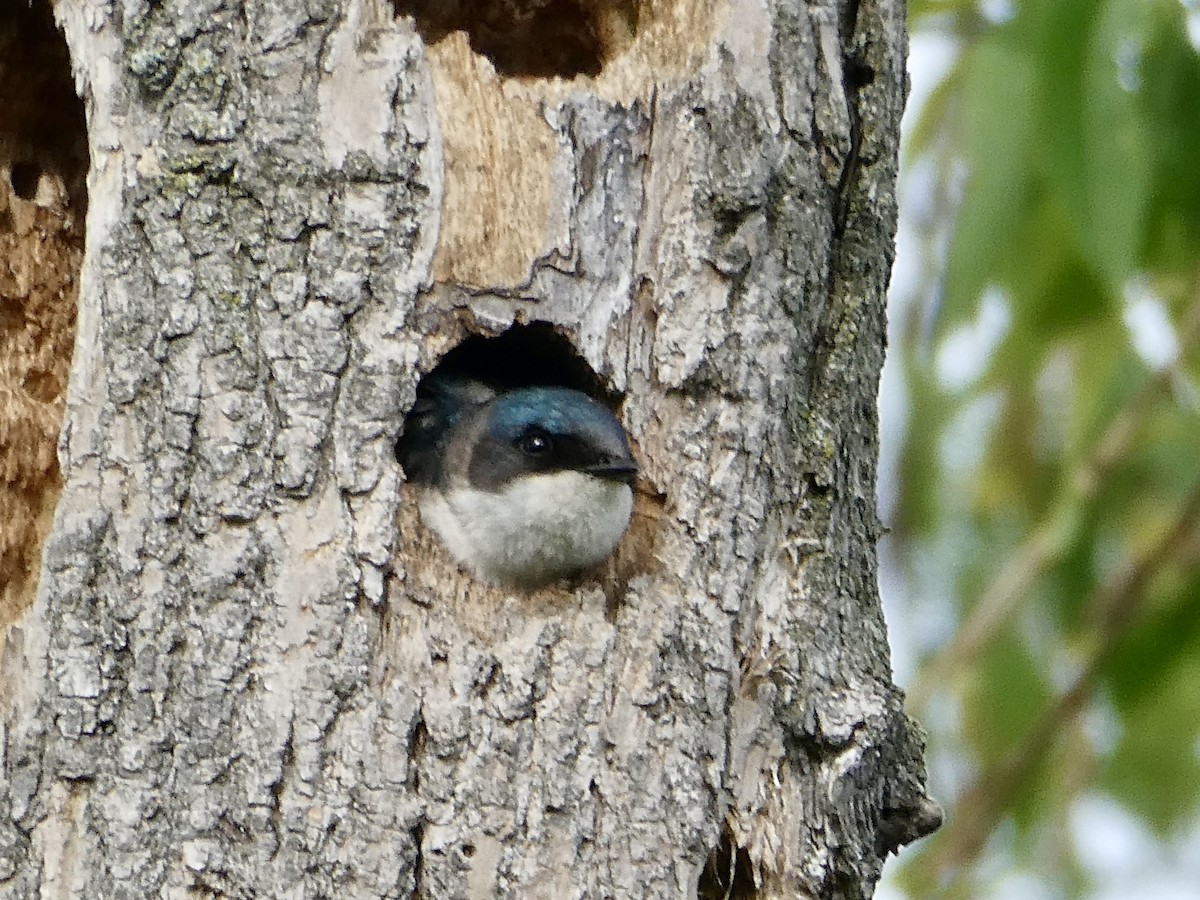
(527, 355)
(534, 355)
(532, 38)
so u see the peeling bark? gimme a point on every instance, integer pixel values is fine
(249, 672)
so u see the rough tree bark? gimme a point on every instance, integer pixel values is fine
(248, 671)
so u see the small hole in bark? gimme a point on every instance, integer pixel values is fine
(532, 38)
(816, 487)
(468, 850)
(727, 873)
(23, 176)
(858, 73)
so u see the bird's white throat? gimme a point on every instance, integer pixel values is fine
(535, 529)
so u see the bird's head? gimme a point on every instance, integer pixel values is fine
(543, 430)
(524, 486)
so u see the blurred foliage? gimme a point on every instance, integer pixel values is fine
(1051, 462)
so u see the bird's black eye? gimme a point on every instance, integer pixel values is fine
(535, 442)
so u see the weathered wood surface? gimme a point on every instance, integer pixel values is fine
(250, 673)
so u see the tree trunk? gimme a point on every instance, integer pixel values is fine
(250, 672)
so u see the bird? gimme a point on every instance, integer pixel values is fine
(524, 486)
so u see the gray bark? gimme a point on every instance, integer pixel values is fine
(249, 672)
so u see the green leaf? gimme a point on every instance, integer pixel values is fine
(1116, 160)
(1006, 693)
(1001, 143)
(1149, 656)
(1155, 769)
(1170, 101)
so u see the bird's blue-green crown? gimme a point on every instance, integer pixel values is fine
(557, 411)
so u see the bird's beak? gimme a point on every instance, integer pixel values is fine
(617, 470)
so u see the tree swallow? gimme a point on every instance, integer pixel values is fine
(523, 486)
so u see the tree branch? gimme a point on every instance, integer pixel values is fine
(1116, 606)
